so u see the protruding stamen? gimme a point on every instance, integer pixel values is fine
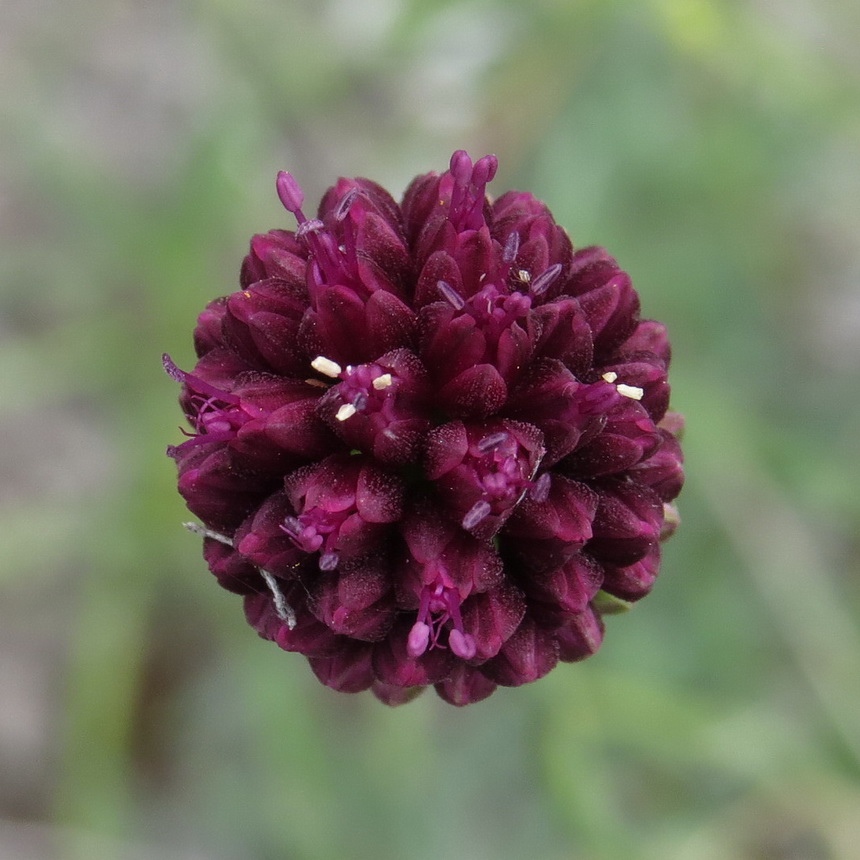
(290, 192)
(546, 279)
(634, 392)
(345, 411)
(452, 296)
(469, 187)
(282, 609)
(326, 367)
(512, 247)
(491, 442)
(383, 382)
(317, 529)
(215, 414)
(610, 376)
(439, 605)
(477, 513)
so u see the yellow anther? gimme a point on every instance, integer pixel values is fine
(326, 366)
(383, 382)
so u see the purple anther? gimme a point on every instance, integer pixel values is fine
(419, 639)
(491, 442)
(461, 167)
(360, 401)
(477, 513)
(216, 415)
(484, 170)
(342, 208)
(543, 282)
(451, 295)
(540, 489)
(512, 247)
(328, 561)
(462, 644)
(290, 192)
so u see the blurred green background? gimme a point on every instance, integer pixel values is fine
(713, 146)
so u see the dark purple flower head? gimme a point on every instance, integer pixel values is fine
(429, 442)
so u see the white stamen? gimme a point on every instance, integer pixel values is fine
(524, 275)
(282, 609)
(204, 532)
(345, 411)
(382, 382)
(611, 376)
(631, 391)
(326, 366)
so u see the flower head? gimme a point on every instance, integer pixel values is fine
(429, 441)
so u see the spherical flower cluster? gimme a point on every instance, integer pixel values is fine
(429, 442)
